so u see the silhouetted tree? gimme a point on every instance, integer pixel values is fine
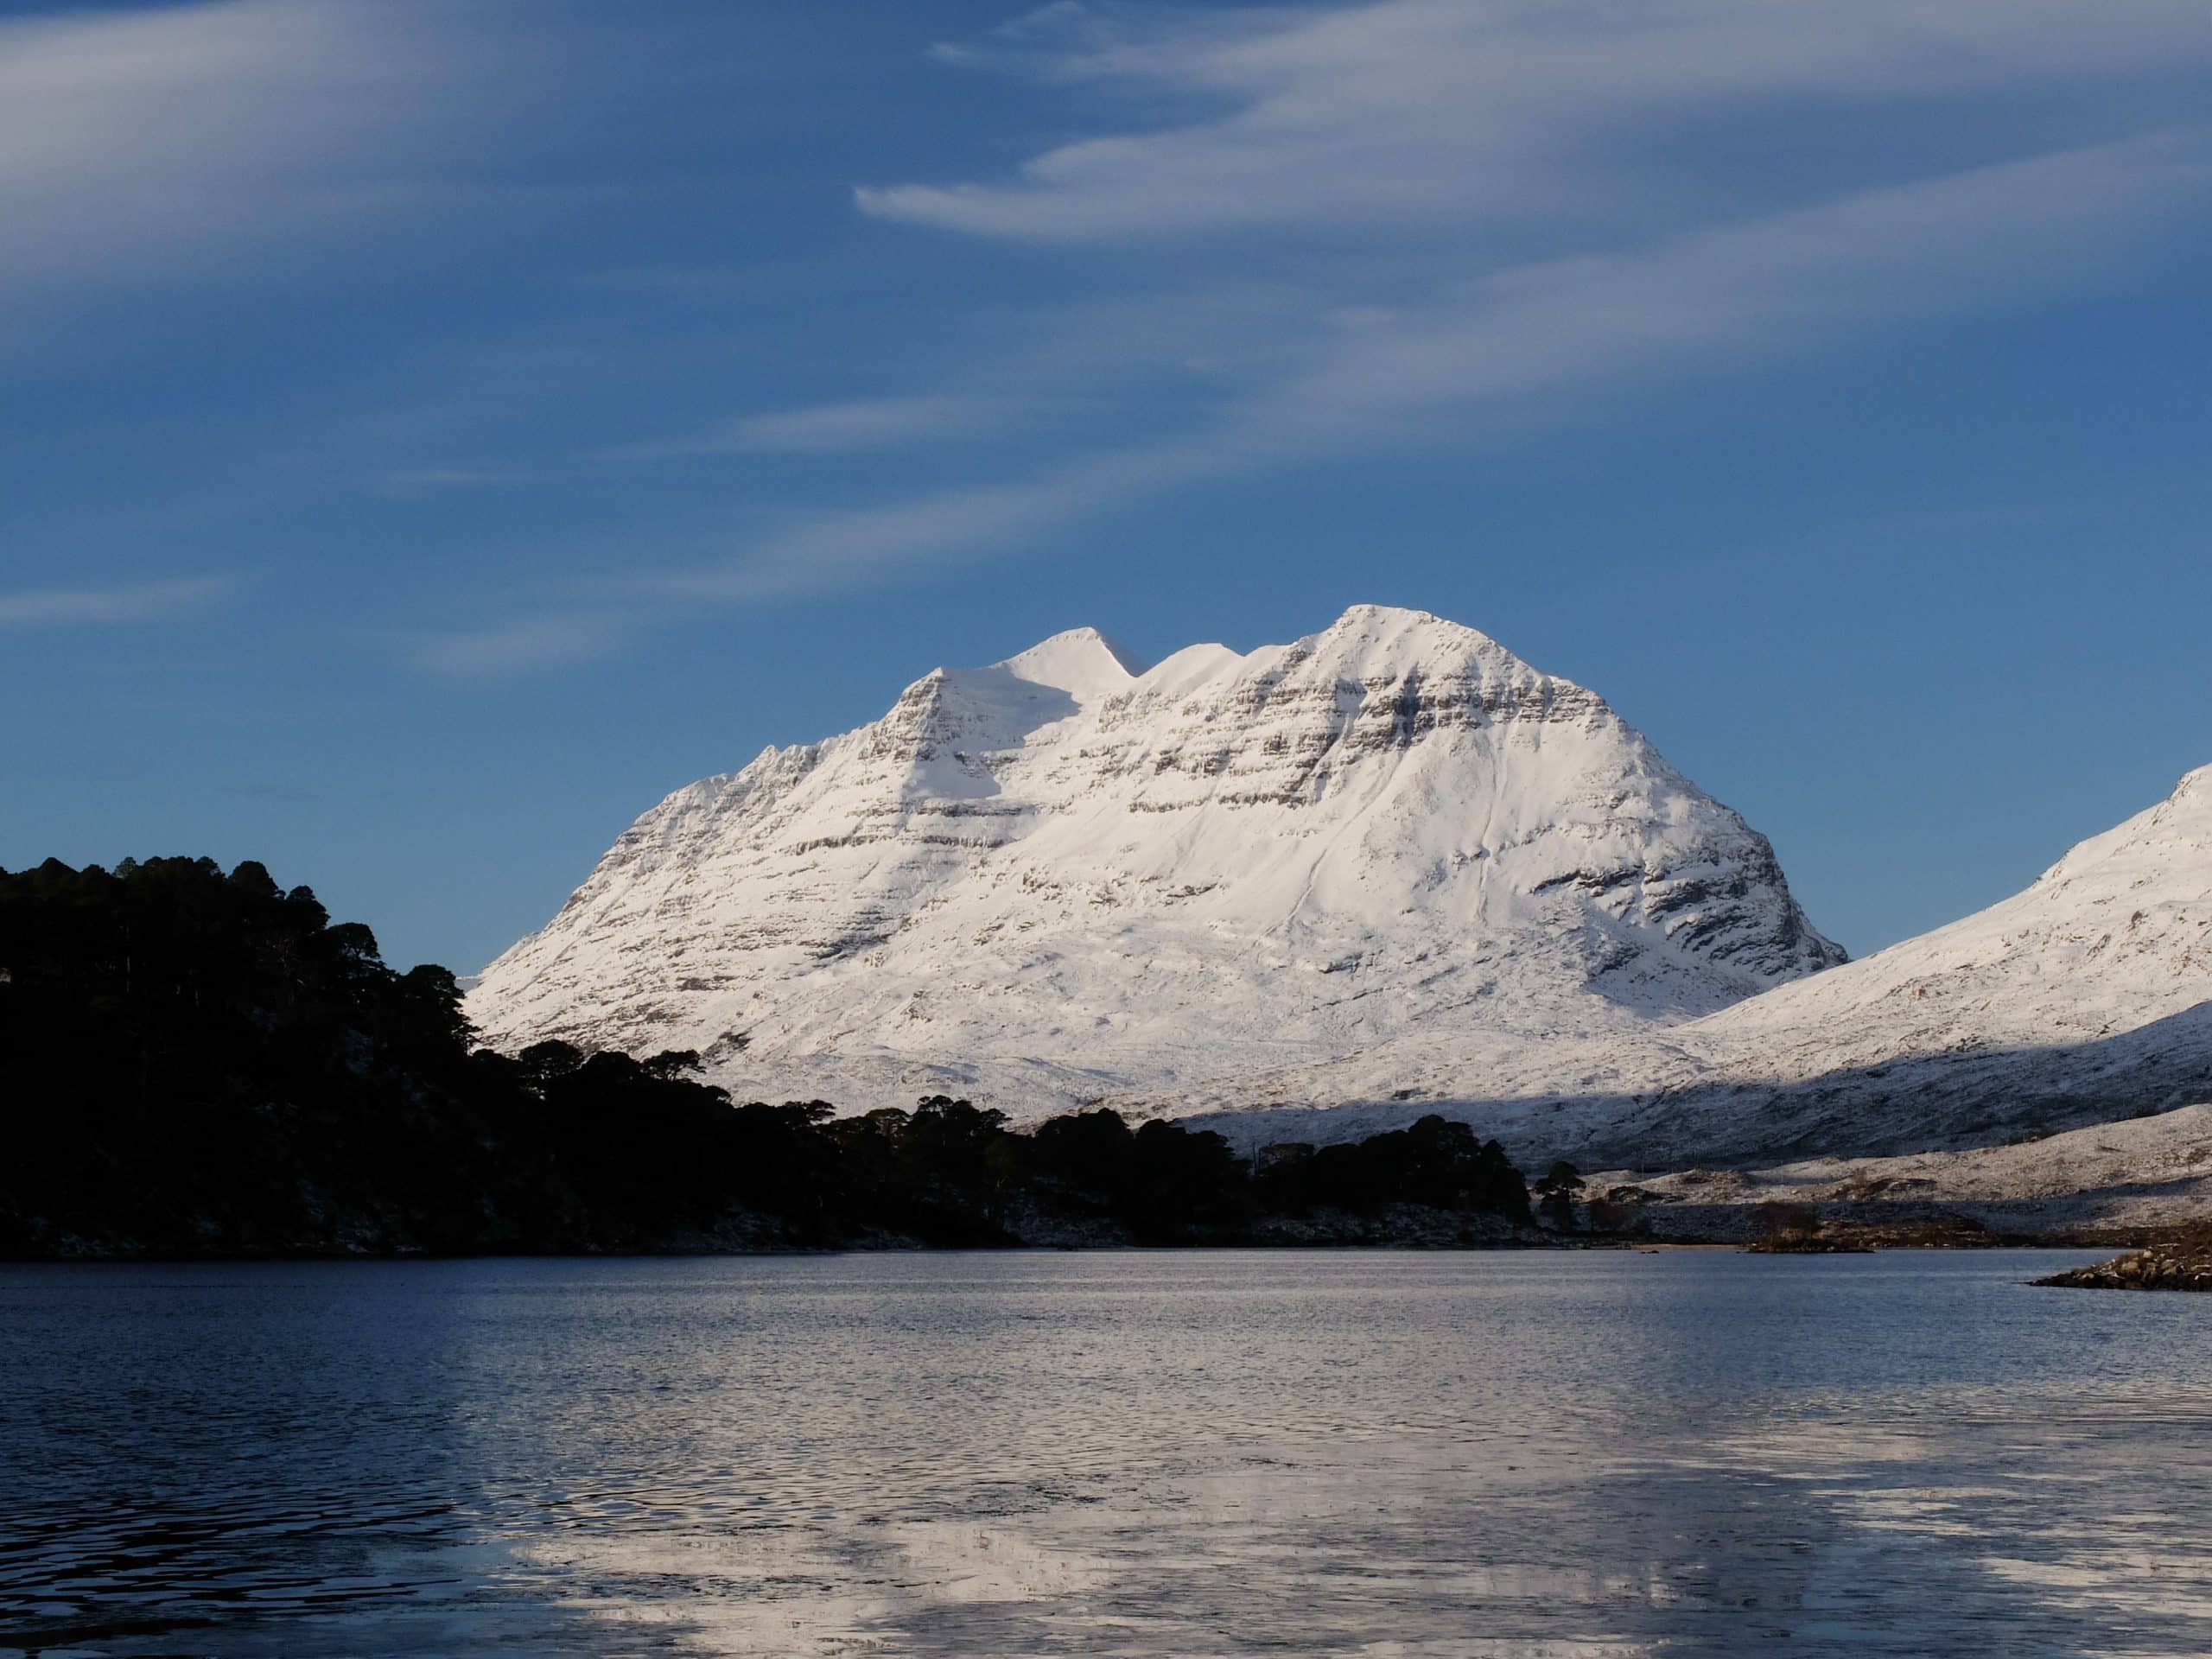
(1555, 1194)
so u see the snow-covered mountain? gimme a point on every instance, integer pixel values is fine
(2116, 935)
(2084, 999)
(1062, 878)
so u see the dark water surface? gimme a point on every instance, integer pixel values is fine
(1180, 1454)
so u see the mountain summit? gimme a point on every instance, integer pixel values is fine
(1061, 877)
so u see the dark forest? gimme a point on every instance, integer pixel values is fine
(202, 1063)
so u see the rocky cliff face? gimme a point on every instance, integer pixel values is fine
(1059, 878)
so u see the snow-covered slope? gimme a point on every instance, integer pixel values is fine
(2085, 998)
(1059, 878)
(2087, 995)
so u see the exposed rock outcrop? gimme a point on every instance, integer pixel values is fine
(2184, 1264)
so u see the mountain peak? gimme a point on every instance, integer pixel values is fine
(1389, 642)
(2187, 813)
(2176, 834)
(1082, 662)
(1377, 622)
(1390, 615)
(2178, 829)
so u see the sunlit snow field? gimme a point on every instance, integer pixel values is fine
(1113, 1453)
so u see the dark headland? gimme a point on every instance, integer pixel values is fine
(201, 1064)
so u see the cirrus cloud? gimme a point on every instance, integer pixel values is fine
(1429, 116)
(834, 429)
(144, 602)
(1311, 232)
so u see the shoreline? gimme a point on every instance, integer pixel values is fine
(1607, 1246)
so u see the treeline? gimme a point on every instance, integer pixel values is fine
(197, 1063)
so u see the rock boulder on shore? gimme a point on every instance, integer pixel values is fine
(2184, 1265)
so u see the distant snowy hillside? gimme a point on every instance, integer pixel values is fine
(2087, 993)
(2084, 999)
(1060, 878)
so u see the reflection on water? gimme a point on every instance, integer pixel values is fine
(1182, 1454)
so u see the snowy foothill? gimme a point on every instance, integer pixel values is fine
(2086, 996)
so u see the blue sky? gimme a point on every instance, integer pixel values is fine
(430, 432)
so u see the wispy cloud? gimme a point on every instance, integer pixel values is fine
(1798, 282)
(835, 550)
(1428, 116)
(526, 644)
(830, 429)
(1413, 223)
(166, 142)
(418, 483)
(143, 603)
(1507, 347)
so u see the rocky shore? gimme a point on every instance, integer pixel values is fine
(2183, 1264)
